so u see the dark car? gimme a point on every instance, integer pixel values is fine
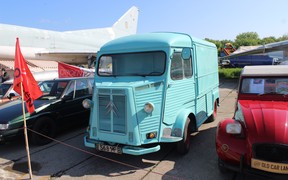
(59, 107)
(6, 88)
(255, 140)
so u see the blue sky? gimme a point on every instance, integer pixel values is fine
(214, 19)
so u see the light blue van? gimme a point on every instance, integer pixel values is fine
(150, 89)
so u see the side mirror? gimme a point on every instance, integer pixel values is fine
(186, 53)
(67, 97)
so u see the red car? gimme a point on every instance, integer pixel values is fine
(255, 140)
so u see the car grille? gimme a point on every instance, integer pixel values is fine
(271, 152)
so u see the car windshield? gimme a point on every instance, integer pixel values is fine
(263, 86)
(132, 64)
(4, 88)
(52, 89)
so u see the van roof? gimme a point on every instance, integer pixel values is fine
(153, 40)
(265, 70)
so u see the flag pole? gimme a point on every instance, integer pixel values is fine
(25, 133)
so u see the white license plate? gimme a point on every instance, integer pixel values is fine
(108, 148)
(280, 168)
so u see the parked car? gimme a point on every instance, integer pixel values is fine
(255, 140)
(6, 88)
(59, 107)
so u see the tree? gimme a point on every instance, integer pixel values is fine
(247, 39)
(268, 40)
(283, 38)
(219, 44)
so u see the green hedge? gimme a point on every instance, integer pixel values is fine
(229, 72)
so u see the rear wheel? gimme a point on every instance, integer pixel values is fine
(184, 145)
(47, 128)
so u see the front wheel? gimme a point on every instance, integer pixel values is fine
(46, 128)
(221, 168)
(184, 145)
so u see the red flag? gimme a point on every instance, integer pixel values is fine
(22, 74)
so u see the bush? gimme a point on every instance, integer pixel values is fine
(230, 73)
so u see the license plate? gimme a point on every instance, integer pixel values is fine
(279, 168)
(108, 148)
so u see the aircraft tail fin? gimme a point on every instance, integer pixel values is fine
(127, 24)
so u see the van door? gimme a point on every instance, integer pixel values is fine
(180, 93)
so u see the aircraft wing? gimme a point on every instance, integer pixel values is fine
(73, 57)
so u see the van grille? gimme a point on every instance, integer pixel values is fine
(112, 111)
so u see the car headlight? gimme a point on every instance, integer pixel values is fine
(4, 126)
(148, 107)
(233, 128)
(87, 103)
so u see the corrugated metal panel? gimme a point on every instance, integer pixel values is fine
(7, 64)
(34, 65)
(44, 64)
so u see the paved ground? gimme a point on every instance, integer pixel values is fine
(71, 160)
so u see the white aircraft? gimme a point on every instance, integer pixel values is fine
(72, 47)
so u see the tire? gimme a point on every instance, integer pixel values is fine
(46, 127)
(221, 168)
(213, 116)
(184, 145)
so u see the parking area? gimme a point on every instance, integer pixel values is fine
(67, 158)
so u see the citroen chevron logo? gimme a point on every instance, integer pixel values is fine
(111, 107)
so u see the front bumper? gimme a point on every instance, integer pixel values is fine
(132, 150)
(243, 168)
(6, 135)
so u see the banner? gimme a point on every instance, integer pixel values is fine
(66, 70)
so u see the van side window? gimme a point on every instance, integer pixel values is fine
(180, 69)
(187, 68)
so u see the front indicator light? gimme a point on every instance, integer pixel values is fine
(151, 135)
(148, 107)
(233, 128)
(87, 103)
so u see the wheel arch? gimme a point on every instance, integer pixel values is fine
(43, 115)
(179, 126)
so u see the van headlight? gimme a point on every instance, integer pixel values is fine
(87, 103)
(4, 126)
(148, 107)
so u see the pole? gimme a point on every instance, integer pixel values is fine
(25, 133)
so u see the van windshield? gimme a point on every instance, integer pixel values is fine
(132, 64)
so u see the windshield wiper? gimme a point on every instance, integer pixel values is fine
(271, 93)
(136, 74)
